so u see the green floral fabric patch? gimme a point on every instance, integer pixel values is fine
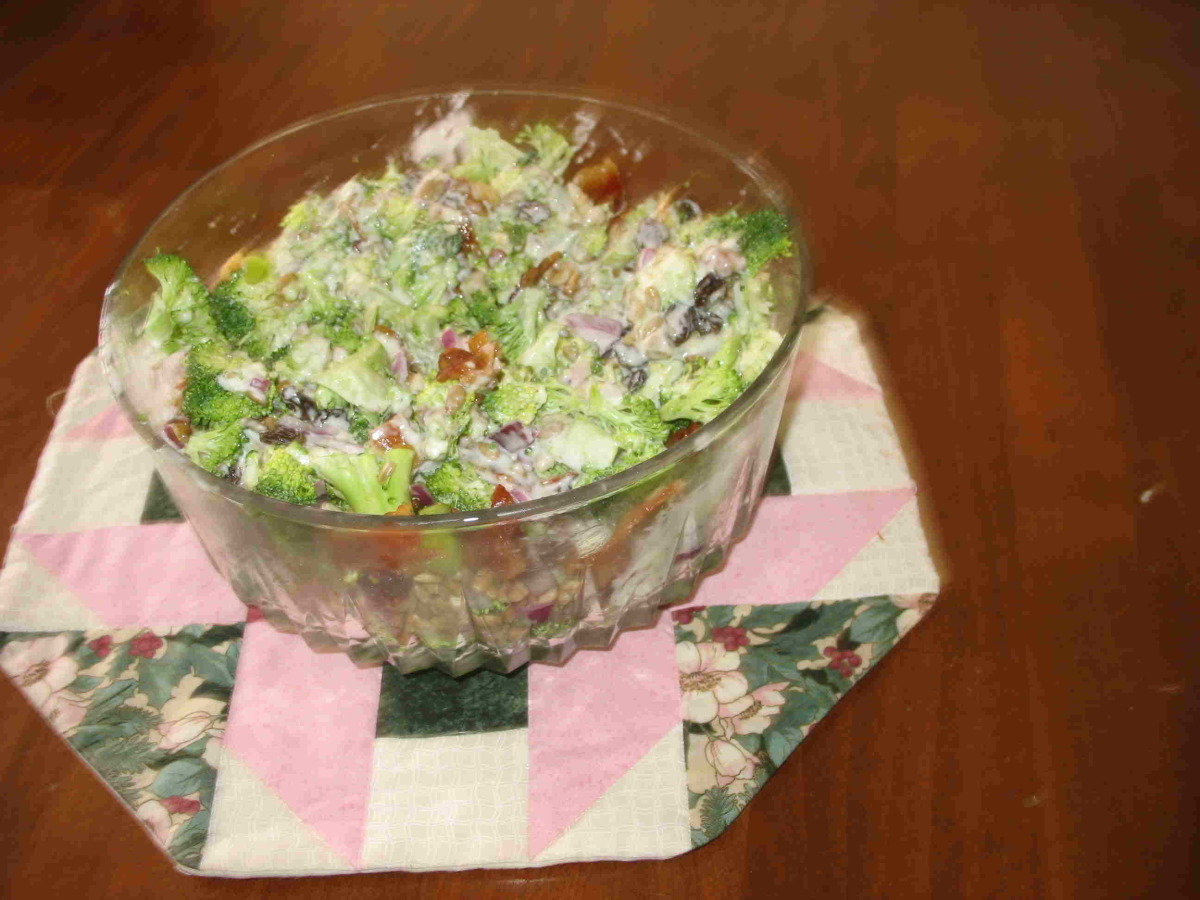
(755, 679)
(431, 703)
(146, 709)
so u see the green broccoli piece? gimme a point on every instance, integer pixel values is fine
(362, 424)
(228, 311)
(548, 148)
(514, 401)
(756, 353)
(636, 425)
(702, 395)
(487, 154)
(216, 448)
(361, 378)
(482, 308)
(336, 319)
(180, 304)
(205, 402)
(303, 214)
(366, 482)
(282, 476)
(459, 486)
(518, 322)
(763, 235)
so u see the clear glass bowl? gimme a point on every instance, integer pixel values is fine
(494, 588)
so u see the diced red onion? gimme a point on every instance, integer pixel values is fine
(514, 437)
(540, 613)
(421, 494)
(257, 389)
(175, 434)
(451, 340)
(578, 372)
(317, 439)
(646, 257)
(519, 495)
(600, 330)
(400, 365)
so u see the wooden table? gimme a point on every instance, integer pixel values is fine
(1009, 191)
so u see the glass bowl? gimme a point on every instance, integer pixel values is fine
(494, 588)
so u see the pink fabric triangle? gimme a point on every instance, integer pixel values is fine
(799, 543)
(139, 575)
(813, 379)
(305, 723)
(110, 422)
(592, 720)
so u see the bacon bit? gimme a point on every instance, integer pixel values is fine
(564, 275)
(404, 509)
(612, 555)
(477, 341)
(483, 193)
(680, 433)
(601, 182)
(177, 432)
(469, 243)
(388, 437)
(501, 496)
(453, 364)
(534, 273)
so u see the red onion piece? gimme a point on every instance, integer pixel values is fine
(514, 437)
(421, 494)
(578, 372)
(539, 614)
(451, 340)
(600, 330)
(646, 257)
(257, 389)
(400, 365)
(519, 495)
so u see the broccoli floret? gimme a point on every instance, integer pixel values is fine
(459, 486)
(762, 236)
(205, 402)
(756, 353)
(547, 147)
(361, 378)
(335, 319)
(636, 425)
(483, 309)
(282, 476)
(702, 395)
(514, 401)
(518, 322)
(366, 482)
(216, 448)
(362, 424)
(303, 214)
(228, 311)
(487, 154)
(180, 304)
(581, 445)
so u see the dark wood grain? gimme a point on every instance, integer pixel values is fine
(1009, 192)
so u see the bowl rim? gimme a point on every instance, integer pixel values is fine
(759, 172)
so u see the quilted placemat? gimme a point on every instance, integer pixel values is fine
(242, 752)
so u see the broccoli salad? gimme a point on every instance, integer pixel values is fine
(473, 329)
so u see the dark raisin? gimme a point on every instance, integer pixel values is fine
(280, 434)
(708, 286)
(635, 379)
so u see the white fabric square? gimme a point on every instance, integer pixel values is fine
(644, 814)
(454, 801)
